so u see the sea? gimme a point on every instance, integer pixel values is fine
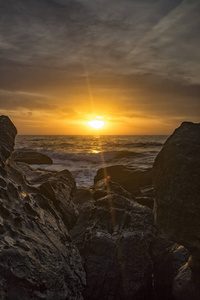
(83, 155)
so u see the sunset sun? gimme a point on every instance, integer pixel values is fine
(96, 124)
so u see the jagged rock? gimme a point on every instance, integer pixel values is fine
(130, 179)
(38, 259)
(114, 235)
(32, 158)
(105, 187)
(177, 210)
(60, 189)
(7, 138)
(34, 176)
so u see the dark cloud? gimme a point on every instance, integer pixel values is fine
(140, 58)
(15, 100)
(130, 35)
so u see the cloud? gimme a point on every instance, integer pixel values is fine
(135, 36)
(122, 59)
(14, 100)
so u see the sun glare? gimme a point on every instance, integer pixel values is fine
(96, 124)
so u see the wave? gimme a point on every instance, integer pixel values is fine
(65, 144)
(38, 139)
(92, 157)
(145, 145)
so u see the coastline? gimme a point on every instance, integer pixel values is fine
(60, 241)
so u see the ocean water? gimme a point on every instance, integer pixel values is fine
(84, 155)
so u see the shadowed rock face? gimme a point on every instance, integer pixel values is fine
(131, 180)
(114, 235)
(7, 138)
(31, 157)
(177, 188)
(176, 175)
(37, 257)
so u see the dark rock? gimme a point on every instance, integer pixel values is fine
(130, 179)
(82, 197)
(186, 286)
(163, 276)
(32, 158)
(60, 189)
(85, 204)
(147, 191)
(99, 194)
(106, 187)
(34, 176)
(146, 201)
(7, 138)
(113, 235)
(167, 258)
(177, 189)
(180, 256)
(38, 259)
(177, 209)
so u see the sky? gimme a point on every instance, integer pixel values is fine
(134, 63)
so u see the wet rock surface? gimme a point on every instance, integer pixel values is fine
(177, 197)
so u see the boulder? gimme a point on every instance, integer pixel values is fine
(34, 176)
(38, 259)
(114, 234)
(60, 189)
(176, 176)
(106, 187)
(7, 138)
(32, 158)
(130, 179)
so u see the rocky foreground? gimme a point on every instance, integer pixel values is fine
(60, 242)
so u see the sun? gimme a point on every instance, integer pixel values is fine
(96, 124)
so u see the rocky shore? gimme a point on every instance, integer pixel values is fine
(120, 239)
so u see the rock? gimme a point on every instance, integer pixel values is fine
(85, 204)
(34, 176)
(176, 184)
(7, 138)
(38, 259)
(176, 175)
(106, 187)
(186, 286)
(146, 201)
(31, 158)
(147, 191)
(128, 178)
(114, 235)
(60, 189)
(167, 258)
(180, 256)
(162, 262)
